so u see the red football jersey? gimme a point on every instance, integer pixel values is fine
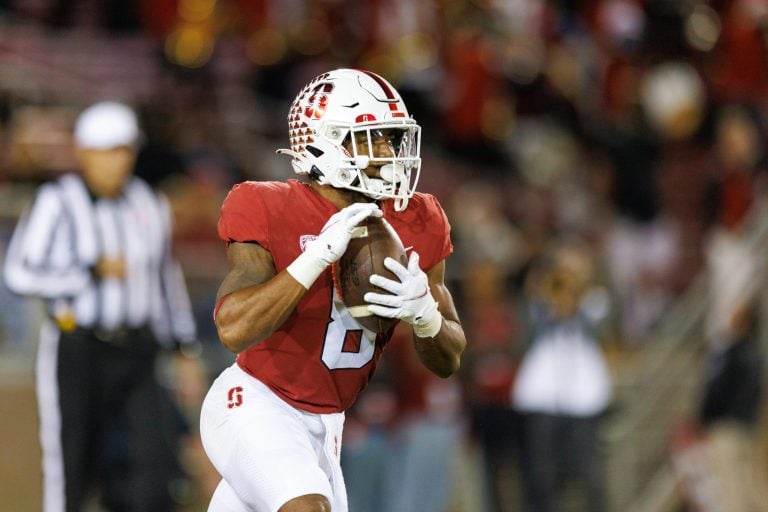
(320, 358)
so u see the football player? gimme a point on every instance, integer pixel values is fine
(272, 422)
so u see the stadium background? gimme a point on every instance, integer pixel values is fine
(639, 126)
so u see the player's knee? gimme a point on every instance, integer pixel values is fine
(307, 503)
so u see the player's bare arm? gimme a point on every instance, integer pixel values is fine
(442, 353)
(254, 300)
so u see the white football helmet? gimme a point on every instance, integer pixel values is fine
(335, 123)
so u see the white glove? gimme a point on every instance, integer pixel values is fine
(331, 243)
(410, 299)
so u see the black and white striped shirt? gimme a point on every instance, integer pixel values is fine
(67, 231)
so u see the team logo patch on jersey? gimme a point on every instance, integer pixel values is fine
(304, 240)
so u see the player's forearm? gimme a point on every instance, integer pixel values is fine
(442, 354)
(250, 315)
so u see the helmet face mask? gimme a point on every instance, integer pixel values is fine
(345, 106)
(393, 151)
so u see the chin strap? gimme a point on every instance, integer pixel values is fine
(289, 152)
(395, 173)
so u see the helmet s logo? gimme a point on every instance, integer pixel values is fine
(317, 105)
(318, 101)
(365, 118)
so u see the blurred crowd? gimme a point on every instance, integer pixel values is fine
(631, 132)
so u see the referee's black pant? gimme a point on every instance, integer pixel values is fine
(117, 427)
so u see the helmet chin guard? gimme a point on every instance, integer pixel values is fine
(343, 110)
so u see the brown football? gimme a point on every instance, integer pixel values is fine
(372, 242)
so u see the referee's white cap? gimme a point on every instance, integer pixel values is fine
(105, 125)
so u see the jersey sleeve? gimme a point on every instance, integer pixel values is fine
(43, 230)
(439, 233)
(243, 217)
(174, 286)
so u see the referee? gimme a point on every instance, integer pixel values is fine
(96, 246)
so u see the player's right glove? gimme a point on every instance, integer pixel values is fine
(331, 243)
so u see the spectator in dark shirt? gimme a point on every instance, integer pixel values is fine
(729, 413)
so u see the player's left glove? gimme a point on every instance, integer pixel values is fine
(410, 299)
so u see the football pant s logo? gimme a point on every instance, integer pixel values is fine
(318, 101)
(235, 397)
